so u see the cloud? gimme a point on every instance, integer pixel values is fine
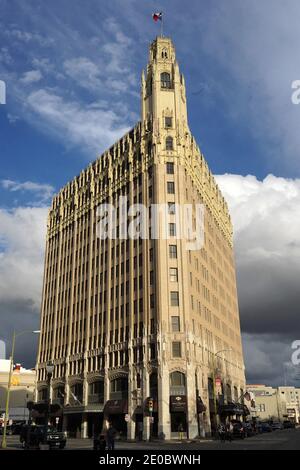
(22, 233)
(266, 219)
(85, 72)
(256, 67)
(268, 360)
(42, 191)
(93, 127)
(31, 76)
(23, 36)
(5, 56)
(85, 103)
(22, 241)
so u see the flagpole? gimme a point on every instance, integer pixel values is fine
(162, 26)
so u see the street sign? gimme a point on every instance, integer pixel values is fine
(127, 418)
(151, 419)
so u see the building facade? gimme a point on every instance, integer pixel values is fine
(140, 329)
(277, 404)
(22, 390)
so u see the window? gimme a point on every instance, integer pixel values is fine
(169, 143)
(170, 168)
(168, 121)
(174, 299)
(171, 208)
(172, 230)
(176, 349)
(170, 187)
(173, 251)
(175, 322)
(261, 407)
(165, 80)
(177, 379)
(173, 275)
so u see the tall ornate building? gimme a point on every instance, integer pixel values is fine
(142, 332)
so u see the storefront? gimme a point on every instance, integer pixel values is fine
(114, 413)
(178, 412)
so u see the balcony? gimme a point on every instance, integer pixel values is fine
(95, 399)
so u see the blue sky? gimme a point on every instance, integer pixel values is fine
(72, 71)
(80, 57)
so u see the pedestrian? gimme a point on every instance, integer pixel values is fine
(221, 432)
(111, 434)
(180, 431)
(140, 430)
(229, 431)
(102, 443)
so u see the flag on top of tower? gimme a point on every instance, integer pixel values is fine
(157, 16)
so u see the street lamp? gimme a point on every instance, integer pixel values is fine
(15, 335)
(49, 370)
(214, 382)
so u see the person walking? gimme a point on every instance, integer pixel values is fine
(229, 431)
(180, 431)
(111, 435)
(222, 432)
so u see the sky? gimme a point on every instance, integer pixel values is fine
(72, 73)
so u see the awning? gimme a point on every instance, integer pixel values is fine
(178, 403)
(233, 409)
(113, 407)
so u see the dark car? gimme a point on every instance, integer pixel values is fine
(9, 430)
(276, 425)
(34, 436)
(238, 431)
(287, 424)
(265, 427)
(249, 429)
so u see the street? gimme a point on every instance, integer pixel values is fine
(287, 439)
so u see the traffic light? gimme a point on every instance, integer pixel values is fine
(150, 405)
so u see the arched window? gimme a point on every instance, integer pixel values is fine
(165, 80)
(177, 383)
(153, 385)
(177, 379)
(164, 54)
(119, 388)
(228, 392)
(169, 143)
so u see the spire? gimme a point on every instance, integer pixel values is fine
(163, 87)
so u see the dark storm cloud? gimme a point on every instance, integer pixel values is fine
(266, 220)
(20, 315)
(269, 296)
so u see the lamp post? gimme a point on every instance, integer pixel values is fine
(11, 367)
(49, 370)
(214, 382)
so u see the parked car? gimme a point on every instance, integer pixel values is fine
(249, 429)
(265, 427)
(34, 436)
(287, 424)
(276, 425)
(239, 431)
(9, 431)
